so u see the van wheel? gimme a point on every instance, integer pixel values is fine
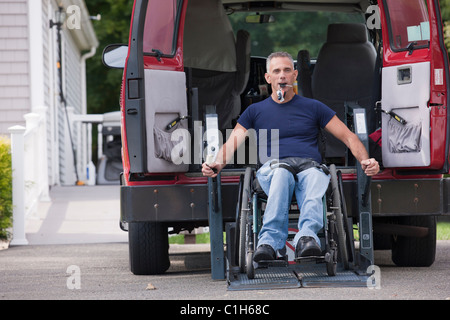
(412, 251)
(149, 248)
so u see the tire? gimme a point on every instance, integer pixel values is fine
(249, 268)
(245, 206)
(242, 240)
(412, 251)
(149, 248)
(237, 233)
(331, 263)
(342, 234)
(348, 227)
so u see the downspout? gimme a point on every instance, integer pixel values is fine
(85, 57)
(91, 171)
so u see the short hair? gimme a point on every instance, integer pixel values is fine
(280, 54)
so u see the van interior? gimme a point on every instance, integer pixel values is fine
(337, 49)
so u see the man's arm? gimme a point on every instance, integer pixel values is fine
(337, 128)
(226, 152)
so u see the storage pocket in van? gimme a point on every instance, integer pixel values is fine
(162, 107)
(404, 138)
(170, 145)
(163, 144)
(406, 145)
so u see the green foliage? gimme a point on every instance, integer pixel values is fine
(445, 9)
(5, 188)
(103, 84)
(445, 13)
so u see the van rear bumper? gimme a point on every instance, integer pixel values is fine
(174, 203)
(188, 203)
(403, 197)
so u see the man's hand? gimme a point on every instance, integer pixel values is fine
(370, 167)
(211, 170)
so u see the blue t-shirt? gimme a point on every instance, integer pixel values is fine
(298, 122)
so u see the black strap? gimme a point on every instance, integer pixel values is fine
(296, 165)
(284, 166)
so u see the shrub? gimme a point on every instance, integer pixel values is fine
(5, 188)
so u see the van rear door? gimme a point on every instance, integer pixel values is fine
(415, 92)
(154, 88)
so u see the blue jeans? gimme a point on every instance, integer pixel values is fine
(279, 184)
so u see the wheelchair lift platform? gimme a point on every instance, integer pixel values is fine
(281, 274)
(305, 275)
(308, 273)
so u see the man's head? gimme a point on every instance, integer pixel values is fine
(281, 73)
(279, 54)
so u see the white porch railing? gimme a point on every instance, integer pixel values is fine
(82, 123)
(30, 161)
(29, 170)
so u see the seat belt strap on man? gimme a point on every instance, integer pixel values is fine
(296, 165)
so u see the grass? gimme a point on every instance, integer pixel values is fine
(443, 230)
(199, 238)
(443, 233)
(177, 239)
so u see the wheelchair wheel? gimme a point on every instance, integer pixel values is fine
(348, 227)
(250, 269)
(237, 234)
(337, 208)
(245, 208)
(331, 262)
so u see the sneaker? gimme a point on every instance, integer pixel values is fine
(307, 247)
(264, 252)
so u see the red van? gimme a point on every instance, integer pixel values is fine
(386, 56)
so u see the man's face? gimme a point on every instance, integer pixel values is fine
(281, 72)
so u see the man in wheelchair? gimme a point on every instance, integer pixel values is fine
(298, 120)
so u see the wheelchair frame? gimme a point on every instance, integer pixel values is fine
(352, 270)
(334, 233)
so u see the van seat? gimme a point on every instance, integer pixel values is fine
(223, 89)
(219, 62)
(344, 74)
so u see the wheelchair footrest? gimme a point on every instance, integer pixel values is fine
(309, 259)
(271, 263)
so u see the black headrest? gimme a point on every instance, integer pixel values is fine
(347, 33)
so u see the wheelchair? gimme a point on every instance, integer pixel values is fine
(336, 235)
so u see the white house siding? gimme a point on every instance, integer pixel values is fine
(61, 149)
(29, 77)
(72, 74)
(49, 93)
(72, 93)
(14, 67)
(46, 38)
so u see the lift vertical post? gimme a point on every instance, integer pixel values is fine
(364, 198)
(214, 198)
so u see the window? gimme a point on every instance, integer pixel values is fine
(291, 31)
(408, 23)
(160, 26)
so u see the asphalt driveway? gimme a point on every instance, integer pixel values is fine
(77, 251)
